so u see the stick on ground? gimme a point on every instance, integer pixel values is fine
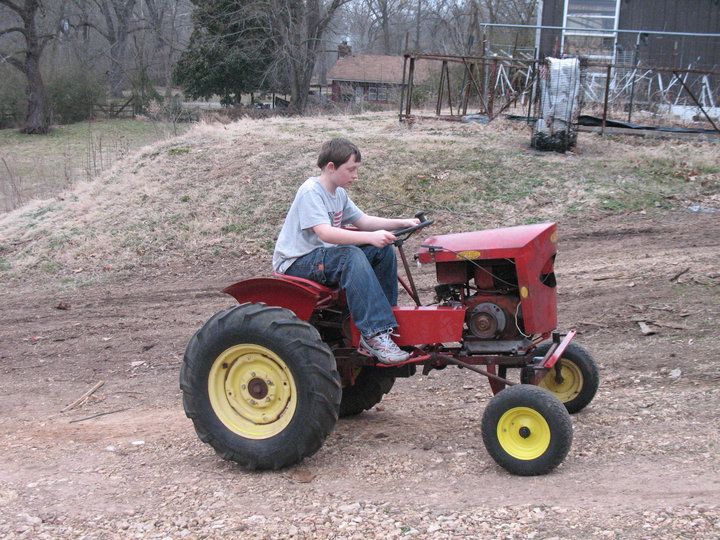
(679, 274)
(84, 397)
(98, 414)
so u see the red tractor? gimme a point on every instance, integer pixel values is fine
(264, 382)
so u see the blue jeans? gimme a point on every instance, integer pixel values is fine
(366, 273)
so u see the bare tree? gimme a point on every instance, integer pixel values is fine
(296, 29)
(386, 14)
(114, 20)
(509, 11)
(353, 24)
(164, 18)
(26, 58)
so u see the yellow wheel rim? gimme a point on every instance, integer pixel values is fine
(523, 433)
(572, 381)
(252, 391)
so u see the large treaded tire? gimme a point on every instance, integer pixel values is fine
(307, 366)
(576, 363)
(526, 430)
(370, 386)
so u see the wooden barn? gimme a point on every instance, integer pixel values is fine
(372, 78)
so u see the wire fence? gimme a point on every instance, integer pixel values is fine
(487, 86)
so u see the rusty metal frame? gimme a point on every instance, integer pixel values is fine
(469, 63)
(695, 99)
(488, 101)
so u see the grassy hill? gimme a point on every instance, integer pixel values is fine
(39, 166)
(219, 193)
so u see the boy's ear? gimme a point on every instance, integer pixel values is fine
(330, 167)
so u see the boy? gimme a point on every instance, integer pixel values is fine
(314, 245)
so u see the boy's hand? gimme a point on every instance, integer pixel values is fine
(409, 222)
(381, 238)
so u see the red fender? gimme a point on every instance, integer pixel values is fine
(301, 296)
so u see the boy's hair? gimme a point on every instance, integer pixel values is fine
(338, 151)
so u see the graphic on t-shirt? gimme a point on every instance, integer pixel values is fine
(336, 218)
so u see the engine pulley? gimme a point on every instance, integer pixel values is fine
(486, 320)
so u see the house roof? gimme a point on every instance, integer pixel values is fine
(378, 68)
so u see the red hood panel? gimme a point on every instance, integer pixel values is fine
(491, 243)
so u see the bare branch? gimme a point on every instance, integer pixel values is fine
(17, 9)
(14, 62)
(14, 29)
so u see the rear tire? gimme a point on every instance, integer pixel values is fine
(580, 377)
(526, 430)
(371, 384)
(260, 386)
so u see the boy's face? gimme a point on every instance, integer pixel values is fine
(344, 175)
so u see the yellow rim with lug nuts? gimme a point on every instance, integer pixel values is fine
(523, 433)
(252, 391)
(571, 382)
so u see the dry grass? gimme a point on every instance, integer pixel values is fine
(220, 192)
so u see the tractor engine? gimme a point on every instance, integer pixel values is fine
(489, 292)
(503, 278)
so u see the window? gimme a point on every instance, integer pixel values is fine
(590, 28)
(590, 16)
(377, 93)
(592, 8)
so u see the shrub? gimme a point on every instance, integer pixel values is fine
(12, 97)
(72, 96)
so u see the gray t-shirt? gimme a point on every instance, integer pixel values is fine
(312, 206)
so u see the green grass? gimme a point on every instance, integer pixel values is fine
(179, 150)
(34, 166)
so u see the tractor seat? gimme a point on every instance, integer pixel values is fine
(321, 289)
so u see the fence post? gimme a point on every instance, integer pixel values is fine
(438, 106)
(535, 77)
(491, 87)
(607, 95)
(411, 76)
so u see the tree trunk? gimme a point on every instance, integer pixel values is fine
(163, 47)
(417, 25)
(117, 15)
(36, 120)
(385, 26)
(116, 73)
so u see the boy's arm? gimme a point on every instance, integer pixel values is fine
(336, 235)
(375, 223)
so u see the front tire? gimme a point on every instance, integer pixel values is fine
(260, 386)
(579, 377)
(526, 430)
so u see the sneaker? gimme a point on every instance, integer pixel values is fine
(384, 349)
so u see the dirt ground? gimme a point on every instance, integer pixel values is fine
(643, 462)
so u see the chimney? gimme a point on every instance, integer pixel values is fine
(344, 49)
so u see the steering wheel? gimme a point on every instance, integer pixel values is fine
(408, 231)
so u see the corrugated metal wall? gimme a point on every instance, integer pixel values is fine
(552, 16)
(699, 16)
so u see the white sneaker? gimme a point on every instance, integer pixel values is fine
(384, 349)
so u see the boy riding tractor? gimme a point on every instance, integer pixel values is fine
(265, 381)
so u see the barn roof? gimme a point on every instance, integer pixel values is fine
(378, 68)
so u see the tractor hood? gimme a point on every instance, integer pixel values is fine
(508, 242)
